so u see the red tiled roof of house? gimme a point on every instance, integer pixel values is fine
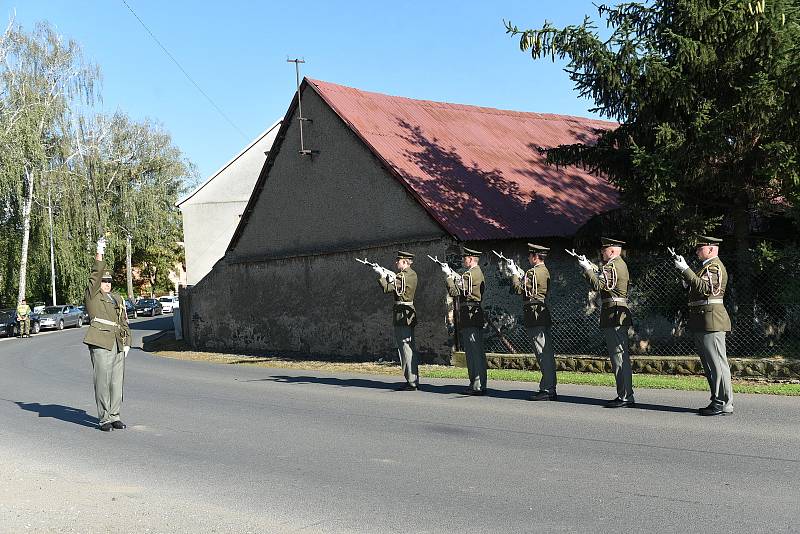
(478, 171)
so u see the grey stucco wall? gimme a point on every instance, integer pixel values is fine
(339, 198)
(317, 304)
(207, 230)
(211, 213)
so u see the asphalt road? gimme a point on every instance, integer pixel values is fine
(224, 448)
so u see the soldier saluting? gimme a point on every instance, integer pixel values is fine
(533, 287)
(404, 316)
(108, 338)
(468, 288)
(615, 317)
(709, 321)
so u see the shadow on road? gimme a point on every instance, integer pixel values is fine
(513, 394)
(57, 411)
(159, 322)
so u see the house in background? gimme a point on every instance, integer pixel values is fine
(384, 173)
(211, 212)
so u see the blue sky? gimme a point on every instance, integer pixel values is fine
(236, 51)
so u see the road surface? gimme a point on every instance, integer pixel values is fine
(226, 448)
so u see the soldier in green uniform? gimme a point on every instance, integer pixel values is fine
(108, 338)
(468, 288)
(709, 321)
(403, 289)
(24, 319)
(536, 318)
(615, 317)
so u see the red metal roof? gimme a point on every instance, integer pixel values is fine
(477, 170)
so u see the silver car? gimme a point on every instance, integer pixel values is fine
(61, 316)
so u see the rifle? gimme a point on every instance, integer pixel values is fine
(448, 271)
(581, 257)
(382, 271)
(675, 257)
(515, 269)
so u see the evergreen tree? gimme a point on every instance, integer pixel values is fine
(706, 97)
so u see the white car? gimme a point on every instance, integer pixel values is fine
(168, 304)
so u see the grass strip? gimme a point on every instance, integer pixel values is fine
(685, 383)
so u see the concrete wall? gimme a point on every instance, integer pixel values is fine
(316, 304)
(211, 213)
(339, 198)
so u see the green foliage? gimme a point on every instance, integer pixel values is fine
(50, 140)
(707, 100)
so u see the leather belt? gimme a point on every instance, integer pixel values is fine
(706, 302)
(533, 301)
(615, 299)
(105, 321)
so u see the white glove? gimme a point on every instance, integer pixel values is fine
(680, 263)
(378, 270)
(125, 351)
(584, 263)
(448, 272)
(101, 245)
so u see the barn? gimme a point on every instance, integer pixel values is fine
(373, 174)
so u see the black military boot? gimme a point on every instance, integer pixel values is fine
(544, 396)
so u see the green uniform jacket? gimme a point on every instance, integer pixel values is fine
(708, 283)
(470, 312)
(613, 287)
(108, 307)
(403, 288)
(23, 311)
(533, 288)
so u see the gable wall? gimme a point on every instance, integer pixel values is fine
(338, 199)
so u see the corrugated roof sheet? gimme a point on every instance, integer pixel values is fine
(477, 170)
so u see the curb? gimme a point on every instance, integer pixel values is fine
(655, 365)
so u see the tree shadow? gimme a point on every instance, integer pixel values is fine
(500, 200)
(60, 412)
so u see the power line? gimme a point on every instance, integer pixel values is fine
(219, 110)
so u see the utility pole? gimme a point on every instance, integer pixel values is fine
(301, 119)
(52, 254)
(128, 264)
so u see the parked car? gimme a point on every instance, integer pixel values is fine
(168, 303)
(149, 307)
(9, 325)
(61, 316)
(130, 309)
(85, 315)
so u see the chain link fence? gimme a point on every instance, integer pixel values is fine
(764, 305)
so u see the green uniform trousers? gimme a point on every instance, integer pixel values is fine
(617, 344)
(407, 350)
(545, 355)
(25, 326)
(711, 348)
(472, 341)
(109, 370)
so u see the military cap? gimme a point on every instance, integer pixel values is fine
(537, 249)
(608, 242)
(704, 240)
(107, 276)
(403, 255)
(470, 252)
